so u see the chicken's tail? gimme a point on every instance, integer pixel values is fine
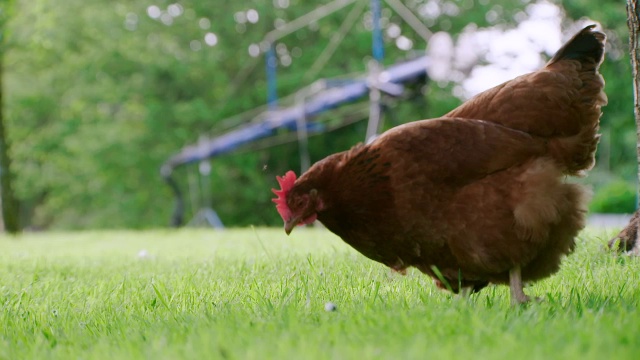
(576, 153)
(587, 46)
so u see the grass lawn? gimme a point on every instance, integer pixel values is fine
(257, 294)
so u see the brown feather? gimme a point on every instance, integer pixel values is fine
(562, 100)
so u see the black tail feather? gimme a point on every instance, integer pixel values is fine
(587, 44)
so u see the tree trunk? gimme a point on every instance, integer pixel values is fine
(10, 215)
(627, 239)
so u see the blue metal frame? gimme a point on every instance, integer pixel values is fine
(271, 63)
(342, 93)
(378, 44)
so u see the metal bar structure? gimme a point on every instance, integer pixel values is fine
(410, 18)
(321, 96)
(302, 21)
(267, 122)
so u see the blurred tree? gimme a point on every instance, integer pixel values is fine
(99, 93)
(9, 202)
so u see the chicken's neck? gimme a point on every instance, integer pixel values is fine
(355, 193)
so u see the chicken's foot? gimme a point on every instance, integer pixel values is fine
(515, 284)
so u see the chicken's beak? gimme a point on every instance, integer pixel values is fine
(290, 224)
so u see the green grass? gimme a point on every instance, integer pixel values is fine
(257, 294)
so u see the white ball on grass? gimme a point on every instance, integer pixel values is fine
(329, 306)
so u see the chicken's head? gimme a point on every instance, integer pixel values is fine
(295, 206)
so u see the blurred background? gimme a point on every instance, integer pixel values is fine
(99, 95)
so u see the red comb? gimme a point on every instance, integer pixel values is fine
(286, 183)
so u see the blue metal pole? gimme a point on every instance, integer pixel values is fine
(272, 89)
(378, 46)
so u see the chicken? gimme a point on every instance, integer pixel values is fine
(627, 238)
(473, 198)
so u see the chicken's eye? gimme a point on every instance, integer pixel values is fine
(299, 202)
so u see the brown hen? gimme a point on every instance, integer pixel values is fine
(476, 197)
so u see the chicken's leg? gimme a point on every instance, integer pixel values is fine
(515, 284)
(465, 292)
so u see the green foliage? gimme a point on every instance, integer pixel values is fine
(99, 95)
(241, 294)
(615, 197)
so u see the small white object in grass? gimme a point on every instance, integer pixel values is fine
(329, 306)
(143, 254)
